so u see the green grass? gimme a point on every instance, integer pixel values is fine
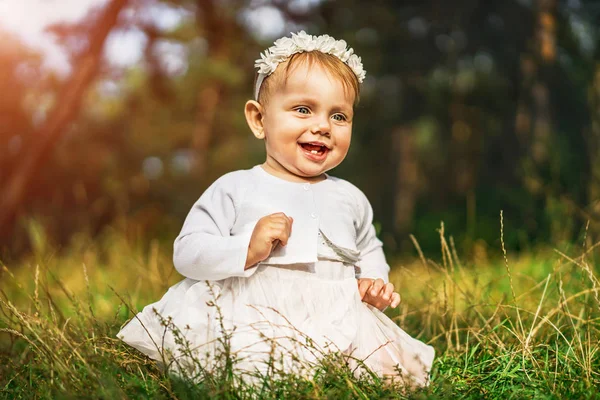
(518, 327)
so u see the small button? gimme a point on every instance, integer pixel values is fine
(306, 186)
(313, 215)
(319, 233)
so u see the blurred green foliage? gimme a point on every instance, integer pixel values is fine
(469, 108)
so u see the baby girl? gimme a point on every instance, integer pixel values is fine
(282, 262)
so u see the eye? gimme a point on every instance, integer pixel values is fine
(339, 117)
(302, 110)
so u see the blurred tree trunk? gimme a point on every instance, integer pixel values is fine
(545, 47)
(465, 154)
(217, 27)
(594, 146)
(65, 110)
(533, 124)
(407, 180)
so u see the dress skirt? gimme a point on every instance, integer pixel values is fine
(281, 318)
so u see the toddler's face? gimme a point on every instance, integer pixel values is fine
(307, 124)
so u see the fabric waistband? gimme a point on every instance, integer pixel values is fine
(323, 269)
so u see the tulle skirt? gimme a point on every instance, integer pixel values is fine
(284, 318)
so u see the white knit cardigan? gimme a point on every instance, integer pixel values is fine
(213, 243)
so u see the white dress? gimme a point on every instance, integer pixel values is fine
(283, 317)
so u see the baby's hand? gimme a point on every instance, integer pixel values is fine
(268, 233)
(377, 293)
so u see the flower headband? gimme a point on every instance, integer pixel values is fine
(300, 42)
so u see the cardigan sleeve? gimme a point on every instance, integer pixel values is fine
(205, 248)
(372, 261)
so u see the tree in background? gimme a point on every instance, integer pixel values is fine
(473, 107)
(469, 107)
(62, 113)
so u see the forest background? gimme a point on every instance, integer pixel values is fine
(469, 108)
(477, 134)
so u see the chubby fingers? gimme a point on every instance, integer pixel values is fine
(378, 293)
(386, 292)
(389, 297)
(364, 284)
(280, 228)
(395, 300)
(376, 288)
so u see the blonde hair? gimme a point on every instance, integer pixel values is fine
(330, 63)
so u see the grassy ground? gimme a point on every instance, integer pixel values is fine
(527, 327)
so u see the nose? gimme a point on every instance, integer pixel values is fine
(322, 126)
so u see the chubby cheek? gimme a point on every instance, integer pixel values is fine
(343, 142)
(287, 131)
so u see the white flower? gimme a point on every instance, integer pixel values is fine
(339, 48)
(266, 64)
(324, 43)
(347, 55)
(354, 62)
(283, 47)
(304, 41)
(300, 42)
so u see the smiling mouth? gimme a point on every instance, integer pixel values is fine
(313, 148)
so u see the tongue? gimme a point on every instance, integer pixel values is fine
(311, 147)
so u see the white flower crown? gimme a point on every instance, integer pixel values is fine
(300, 42)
